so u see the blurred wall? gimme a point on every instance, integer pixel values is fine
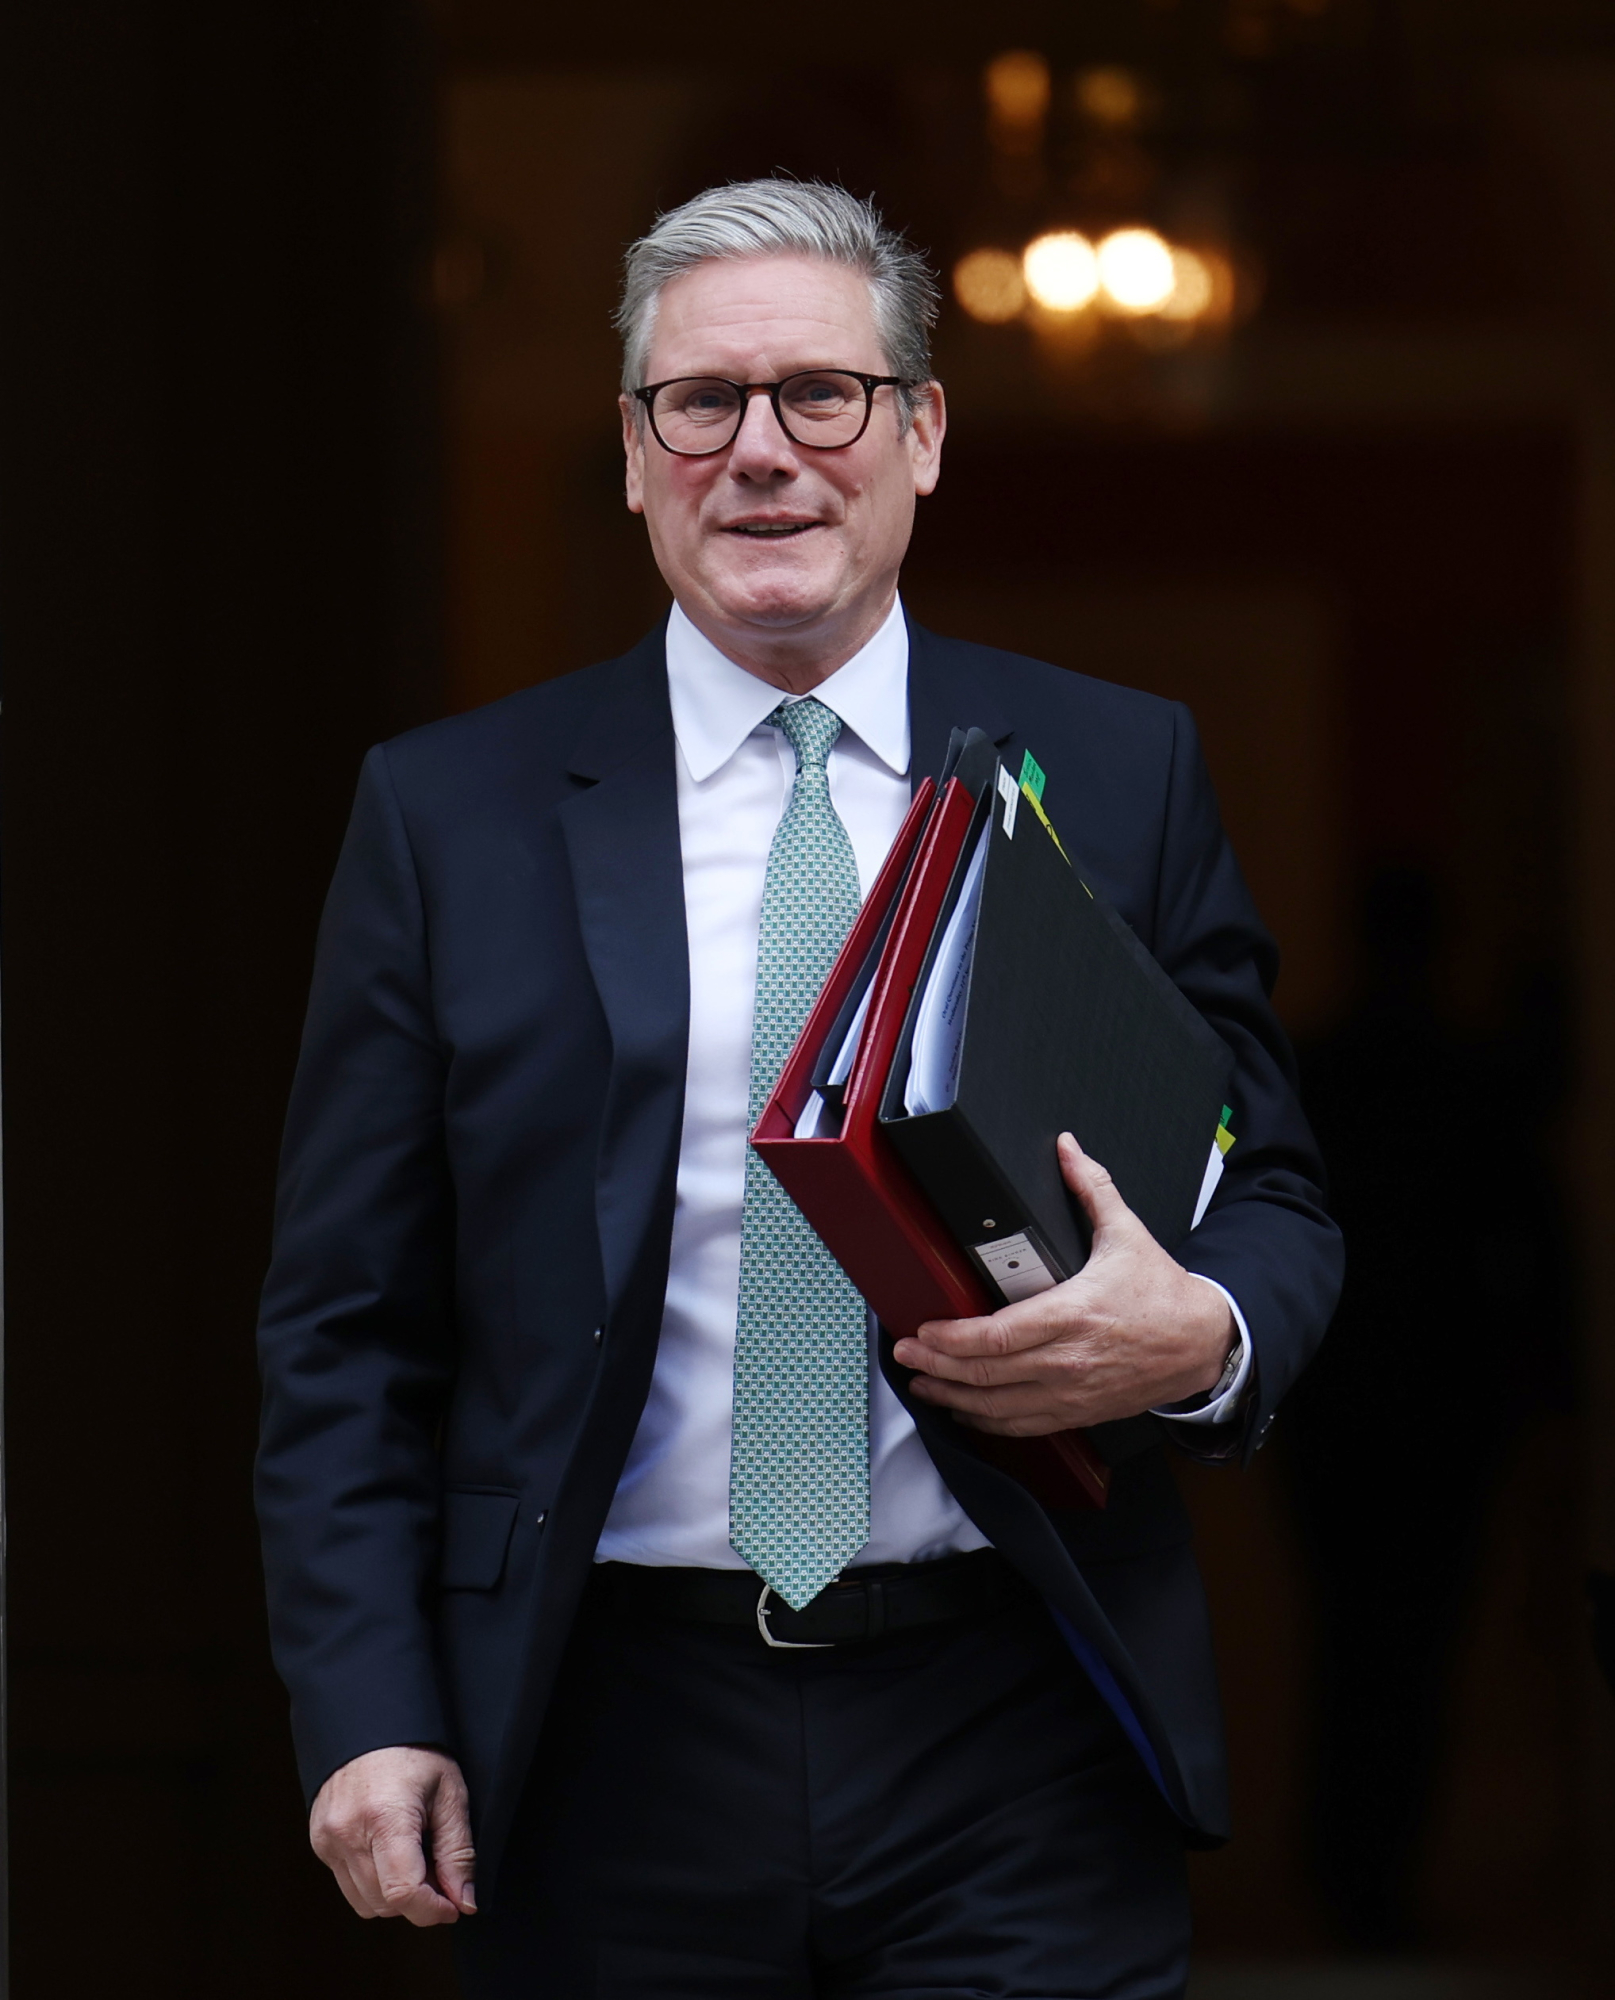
(218, 579)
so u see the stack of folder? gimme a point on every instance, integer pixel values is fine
(985, 1001)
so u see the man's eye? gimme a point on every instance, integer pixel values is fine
(818, 395)
(708, 403)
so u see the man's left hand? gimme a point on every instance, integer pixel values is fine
(1131, 1331)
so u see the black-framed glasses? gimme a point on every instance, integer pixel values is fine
(824, 409)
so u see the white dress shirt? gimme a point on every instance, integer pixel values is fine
(735, 775)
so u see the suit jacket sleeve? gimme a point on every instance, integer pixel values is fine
(356, 1334)
(1267, 1237)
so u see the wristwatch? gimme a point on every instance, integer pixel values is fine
(1230, 1369)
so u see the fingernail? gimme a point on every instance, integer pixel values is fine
(468, 1900)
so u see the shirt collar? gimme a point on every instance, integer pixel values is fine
(716, 705)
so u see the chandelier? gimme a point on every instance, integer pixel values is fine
(1100, 263)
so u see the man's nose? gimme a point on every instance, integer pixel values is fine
(761, 447)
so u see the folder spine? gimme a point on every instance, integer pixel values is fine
(973, 1198)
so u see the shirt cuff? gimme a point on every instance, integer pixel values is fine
(1225, 1406)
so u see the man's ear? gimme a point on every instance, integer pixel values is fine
(633, 450)
(926, 430)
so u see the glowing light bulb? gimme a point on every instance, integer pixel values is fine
(1136, 271)
(1061, 270)
(1109, 96)
(1017, 85)
(1193, 287)
(989, 285)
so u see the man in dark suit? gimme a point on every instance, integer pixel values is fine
(596, 1514)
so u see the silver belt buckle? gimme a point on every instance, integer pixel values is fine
(786, 1645)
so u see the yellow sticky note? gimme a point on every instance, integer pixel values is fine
(1036, 804)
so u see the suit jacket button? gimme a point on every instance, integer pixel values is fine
(599, 1335)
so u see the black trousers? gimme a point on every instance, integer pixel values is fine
(950, 1812)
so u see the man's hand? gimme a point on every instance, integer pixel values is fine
(1131, 1331)
(394, 1828)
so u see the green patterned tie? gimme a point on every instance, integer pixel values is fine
(799, 1470)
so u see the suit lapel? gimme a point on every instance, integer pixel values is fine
(622, 841)
(944, 695)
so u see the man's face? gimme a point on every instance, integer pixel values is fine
(770, 544)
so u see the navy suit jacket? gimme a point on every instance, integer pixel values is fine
(461, 1317)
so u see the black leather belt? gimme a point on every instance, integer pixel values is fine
(863, 1604)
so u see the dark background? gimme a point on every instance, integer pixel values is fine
(278, 284)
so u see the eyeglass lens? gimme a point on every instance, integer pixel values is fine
(822, 408)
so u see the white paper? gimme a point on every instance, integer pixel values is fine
(933, 1068)
(1015, 1267)
(811, 1124)
(810, 1118)
(847, 1054)
(1208, 1187)
(1010, 793)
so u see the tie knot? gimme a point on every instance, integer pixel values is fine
(810, 728)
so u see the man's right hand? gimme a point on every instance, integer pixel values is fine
(394, 1828)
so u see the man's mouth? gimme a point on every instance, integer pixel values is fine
(771, 529)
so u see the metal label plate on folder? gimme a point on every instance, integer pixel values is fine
(1015, 1267)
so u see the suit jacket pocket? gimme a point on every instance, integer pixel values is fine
(477, 1526)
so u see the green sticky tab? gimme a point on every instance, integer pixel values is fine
(1032, 778)
(1227, 1113)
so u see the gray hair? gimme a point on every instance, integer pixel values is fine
(782, 218)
